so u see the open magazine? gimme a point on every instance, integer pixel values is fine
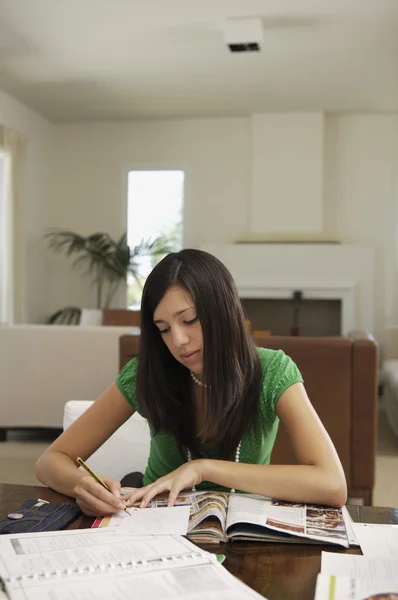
(220, 517)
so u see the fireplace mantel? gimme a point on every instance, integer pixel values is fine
(321, 271)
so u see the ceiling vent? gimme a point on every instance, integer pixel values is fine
(243, 35)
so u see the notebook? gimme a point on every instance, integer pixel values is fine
(102, 564)
(219, 517)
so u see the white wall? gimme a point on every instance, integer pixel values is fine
(32, 274)
(90, 168)
(361, 200)
(91, 176)
(288, 173)
(92, 161)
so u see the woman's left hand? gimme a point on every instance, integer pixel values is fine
(186, 476)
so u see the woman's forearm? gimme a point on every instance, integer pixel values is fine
(294, 483)
(58, 471)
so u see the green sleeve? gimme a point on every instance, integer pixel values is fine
(126, 382)
(280, 372)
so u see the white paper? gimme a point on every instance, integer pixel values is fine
(201, 505)
(205, 581)
(159, 521)
(379, 541)
(40, 552)
(360, 567)
(347, 588)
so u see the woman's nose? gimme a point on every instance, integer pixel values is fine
(180, 337)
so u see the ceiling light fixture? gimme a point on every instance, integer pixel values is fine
(243, 35)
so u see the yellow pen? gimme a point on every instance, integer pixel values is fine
(97, 479)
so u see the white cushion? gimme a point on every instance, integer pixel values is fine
(390, 379)
(127, 450)
(390, 372)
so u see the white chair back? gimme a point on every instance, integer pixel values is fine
(127, 450)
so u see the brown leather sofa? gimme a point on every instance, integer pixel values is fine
(340, 376)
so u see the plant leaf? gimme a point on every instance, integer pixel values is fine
(68, 316)
(104, 259)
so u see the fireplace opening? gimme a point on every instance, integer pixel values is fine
(316, 317)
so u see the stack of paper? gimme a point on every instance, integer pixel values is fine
(355, 577)
(82, 564)
(378, 541)
(374, 575)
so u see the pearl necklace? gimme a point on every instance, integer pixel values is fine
(196, 380)
(189, 455)
(237, 454)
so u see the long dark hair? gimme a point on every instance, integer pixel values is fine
(231, 366)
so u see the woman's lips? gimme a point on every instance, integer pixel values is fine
(189, 357)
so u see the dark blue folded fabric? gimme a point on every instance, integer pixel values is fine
(39, 516)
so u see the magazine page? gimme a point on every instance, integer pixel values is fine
(206, 505)
(317, 523)
(352, 538)
(348, 588)
(207, 515)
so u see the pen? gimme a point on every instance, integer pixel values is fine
(97, 479)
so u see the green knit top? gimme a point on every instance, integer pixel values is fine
(279, 373)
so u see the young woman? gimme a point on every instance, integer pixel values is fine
(212, 399)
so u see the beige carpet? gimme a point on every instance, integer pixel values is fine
(19, 454)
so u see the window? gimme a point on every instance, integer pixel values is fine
(155, 209)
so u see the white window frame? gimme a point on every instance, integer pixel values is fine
(180, 166)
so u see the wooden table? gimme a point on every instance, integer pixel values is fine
(277, 571)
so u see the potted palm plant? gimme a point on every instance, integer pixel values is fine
(106, 261)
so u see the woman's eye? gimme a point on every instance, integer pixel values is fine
(161, 331)
(192, 321)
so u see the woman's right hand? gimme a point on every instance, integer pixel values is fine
(94, 500)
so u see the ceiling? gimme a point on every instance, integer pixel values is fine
(73, 60)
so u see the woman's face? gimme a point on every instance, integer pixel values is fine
(176, 318)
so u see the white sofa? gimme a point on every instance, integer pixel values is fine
(44, 366)
(389, 376)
